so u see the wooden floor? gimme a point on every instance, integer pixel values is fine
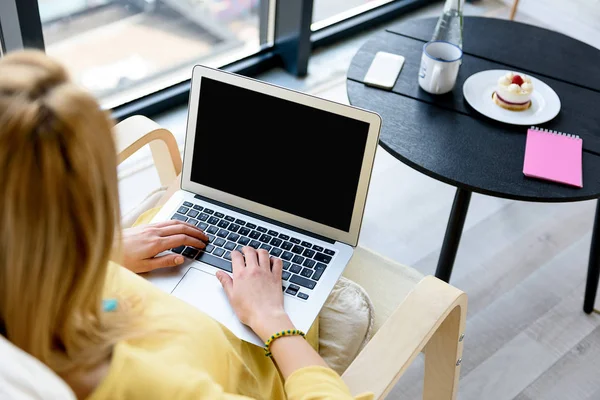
(523, 265)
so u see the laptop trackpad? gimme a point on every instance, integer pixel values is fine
(204, 291)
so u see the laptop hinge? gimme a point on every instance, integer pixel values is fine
(262, 218)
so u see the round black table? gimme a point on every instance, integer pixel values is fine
(444, 138)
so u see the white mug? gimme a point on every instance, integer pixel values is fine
(439, 66)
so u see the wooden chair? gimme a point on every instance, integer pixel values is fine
(413, 313)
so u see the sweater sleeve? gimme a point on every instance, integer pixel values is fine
(318, 383)
(310, 383)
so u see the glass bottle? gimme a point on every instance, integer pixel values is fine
(449, 27)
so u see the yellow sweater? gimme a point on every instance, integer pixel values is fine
(194, 357)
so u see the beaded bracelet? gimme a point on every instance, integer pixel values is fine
(289, 332)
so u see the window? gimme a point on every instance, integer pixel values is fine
(136, 56)
(328, 12)
(124, 49)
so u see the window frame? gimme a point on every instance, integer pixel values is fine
(21, 25)
(285, 27)
(2, 45)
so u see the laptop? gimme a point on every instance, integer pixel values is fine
(274, 169)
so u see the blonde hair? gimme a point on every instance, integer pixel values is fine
(59, 211)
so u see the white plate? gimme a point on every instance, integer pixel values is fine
(478, 90)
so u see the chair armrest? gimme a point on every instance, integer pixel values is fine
(135, 132)
(431, 318)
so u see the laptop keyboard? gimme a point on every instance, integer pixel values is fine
(303, 262)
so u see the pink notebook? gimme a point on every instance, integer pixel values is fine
(554, 156)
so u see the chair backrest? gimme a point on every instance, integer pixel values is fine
(24, 377)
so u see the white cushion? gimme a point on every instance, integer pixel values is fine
(350, 316)
(345, 324)
(23, 377)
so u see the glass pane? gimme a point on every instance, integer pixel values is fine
(124, 49)
(327, 12)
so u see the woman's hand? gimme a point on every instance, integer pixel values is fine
(256, 297)
(255, 291)
(141, 244)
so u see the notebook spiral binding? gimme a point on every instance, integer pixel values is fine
(550, 131)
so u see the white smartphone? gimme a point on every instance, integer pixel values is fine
(384, 70)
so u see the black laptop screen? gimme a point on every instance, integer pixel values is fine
(278, 153)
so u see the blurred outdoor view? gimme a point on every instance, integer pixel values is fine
(328, 11)
(124, 49)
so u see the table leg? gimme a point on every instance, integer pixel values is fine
(591, 287)
(456, 222)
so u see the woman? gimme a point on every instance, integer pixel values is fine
(60, 213)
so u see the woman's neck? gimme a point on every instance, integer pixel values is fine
(84, 382)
